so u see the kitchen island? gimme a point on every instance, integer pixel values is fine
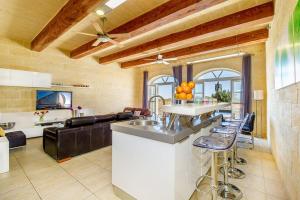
(154, 162)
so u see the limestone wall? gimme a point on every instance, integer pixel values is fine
(111, 88)
(284, 110)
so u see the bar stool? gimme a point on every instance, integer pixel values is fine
(233, 172)
(217, 143)
(236, 123)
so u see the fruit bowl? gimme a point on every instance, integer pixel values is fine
(184, 92)
(7, 125)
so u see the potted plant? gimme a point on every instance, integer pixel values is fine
(41, 114)
(77, 111)
(222, 96)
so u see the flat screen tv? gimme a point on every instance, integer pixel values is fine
(50, 100)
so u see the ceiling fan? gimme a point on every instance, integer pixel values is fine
(161, 60)
(102, 36)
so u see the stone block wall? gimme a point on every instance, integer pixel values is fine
(284, 109)
(111, 88)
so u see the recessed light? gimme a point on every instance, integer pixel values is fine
(100, 12)
(114, 3)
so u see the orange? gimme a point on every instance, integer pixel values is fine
(189, 96)
(177, 96)
(191, 84)
(182, 96)
(186, 89)
(179, 90)
(184, 84)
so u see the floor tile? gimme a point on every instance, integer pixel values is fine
(96, 181)
(253, 194)
(275, 189)
(106, 193)
(12, 181)
(73, 191)
(50, 179)
(92, 197)
(23, 193)
(34, 174)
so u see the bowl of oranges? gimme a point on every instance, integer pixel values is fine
(185, 91)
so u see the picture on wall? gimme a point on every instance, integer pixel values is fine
(287, 55)
(277, 69)
(295, 25)
(287, 61)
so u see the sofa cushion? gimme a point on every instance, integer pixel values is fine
(144, 111)
(105, 118)
(124, 116)
(80, 121)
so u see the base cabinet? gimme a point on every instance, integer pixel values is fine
(4, 155)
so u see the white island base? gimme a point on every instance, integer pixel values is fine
(147, 169)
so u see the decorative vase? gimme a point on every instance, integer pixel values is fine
(183, 102)
(41, 118)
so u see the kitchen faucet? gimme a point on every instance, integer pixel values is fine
(164, 103)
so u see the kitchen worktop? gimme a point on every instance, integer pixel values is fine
(161, 133)
(191, 109)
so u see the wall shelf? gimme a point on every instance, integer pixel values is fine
(69, 86)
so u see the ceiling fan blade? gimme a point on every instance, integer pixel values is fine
(98, 27)
(165, 62)
(96, 43)
(116, 43)
(170, 59)
(120, 35)
(88, 34)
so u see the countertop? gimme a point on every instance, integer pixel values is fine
(160, 132)
(191, 109)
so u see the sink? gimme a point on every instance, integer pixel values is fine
(143, 123)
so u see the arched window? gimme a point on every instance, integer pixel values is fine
(163, 86)
(223, 84)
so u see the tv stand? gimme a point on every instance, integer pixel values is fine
(49, 123)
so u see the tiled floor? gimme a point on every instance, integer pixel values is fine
(34, 175)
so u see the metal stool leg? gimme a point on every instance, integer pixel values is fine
(214, 175)
(238, 160)
(232, 171)
(227, 190)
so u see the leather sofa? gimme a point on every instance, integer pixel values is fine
(145, 112)
(80, 135)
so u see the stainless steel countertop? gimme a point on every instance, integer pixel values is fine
(160, 132)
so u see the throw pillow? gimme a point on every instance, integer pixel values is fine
(2, 133)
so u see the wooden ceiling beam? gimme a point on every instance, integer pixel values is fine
(241, 39)
(70, 14)
(254, 16)
(164, 14)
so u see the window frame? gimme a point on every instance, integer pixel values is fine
(231, 79)
(156, 85)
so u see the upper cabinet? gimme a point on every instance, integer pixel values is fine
(9, 77)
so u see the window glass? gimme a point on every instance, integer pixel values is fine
(163, 86)
(209, 88)
(229, 74)
(230, 88)
(219, 74)
(163, 79)
(208, 75)
(237, 86)
(166, 91)
(199, 88)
